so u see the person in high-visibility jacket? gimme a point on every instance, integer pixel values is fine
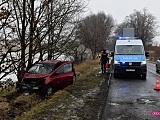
(100, 56)
(103, 60)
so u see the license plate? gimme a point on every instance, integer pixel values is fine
(26, 93)
(24, 87)
(35, 88)
(130, 70)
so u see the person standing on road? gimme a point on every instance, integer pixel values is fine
(103, 60)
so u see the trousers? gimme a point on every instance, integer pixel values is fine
(103, 67)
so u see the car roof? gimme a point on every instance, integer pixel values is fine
(54, 61)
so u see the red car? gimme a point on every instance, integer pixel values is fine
(48, 76)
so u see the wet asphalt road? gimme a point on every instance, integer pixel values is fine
(131, 98)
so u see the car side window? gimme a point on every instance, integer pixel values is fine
(61, 70)
(65, 69)
(68, 68)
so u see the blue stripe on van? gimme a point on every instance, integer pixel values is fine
(130, 58)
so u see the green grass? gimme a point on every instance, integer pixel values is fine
(57, 99)
(7, 91)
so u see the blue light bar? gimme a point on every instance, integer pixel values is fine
(127, 38)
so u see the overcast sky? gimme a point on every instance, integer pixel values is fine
(119, 9)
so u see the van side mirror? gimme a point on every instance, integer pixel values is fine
(147, 54)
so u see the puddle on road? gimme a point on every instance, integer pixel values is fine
(139, 101)
(114, 104)
(146, 101)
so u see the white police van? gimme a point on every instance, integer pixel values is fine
(129, 57)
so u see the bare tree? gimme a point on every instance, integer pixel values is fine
(8, 59)
(94, 31)
(144, 24)
(37, 27)
(62, 22)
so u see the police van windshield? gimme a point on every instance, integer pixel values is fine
(129, 49)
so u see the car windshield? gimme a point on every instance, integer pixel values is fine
(129, 49)
(41, 68)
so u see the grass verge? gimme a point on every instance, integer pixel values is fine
(58, 106)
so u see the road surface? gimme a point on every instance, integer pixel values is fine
(133, 98)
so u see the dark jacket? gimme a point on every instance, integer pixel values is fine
(104, 58)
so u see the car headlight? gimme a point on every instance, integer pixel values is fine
(116, 62)
(143, 62)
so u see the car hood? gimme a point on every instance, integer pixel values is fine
(130, 58)
(28, 75)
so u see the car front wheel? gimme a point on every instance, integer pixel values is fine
(48, 90)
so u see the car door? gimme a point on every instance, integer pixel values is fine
(69, 74)
(63, 76)
(58, 77)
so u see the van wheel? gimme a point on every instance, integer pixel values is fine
(115, 75)
(144, 76)
(157, 69)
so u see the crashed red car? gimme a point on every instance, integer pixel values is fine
(48, 76)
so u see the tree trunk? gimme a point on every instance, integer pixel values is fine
(31, 34)
(23, 46)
